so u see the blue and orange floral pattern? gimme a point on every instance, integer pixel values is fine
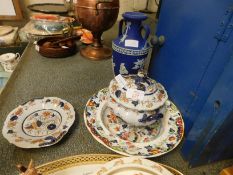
(39, 122)
(154, 93)
(113, 133)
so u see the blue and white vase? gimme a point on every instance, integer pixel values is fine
(130, 48)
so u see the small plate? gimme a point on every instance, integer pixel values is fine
(112, 132)
(132, 166)
(39, 122)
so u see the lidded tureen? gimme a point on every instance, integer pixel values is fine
(137, 99)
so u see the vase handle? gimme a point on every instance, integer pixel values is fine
(147, 30)
(101, 1)
(120, 27)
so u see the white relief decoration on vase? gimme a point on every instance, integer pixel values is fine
(128, 24)
(113, 64)
(123, 69)
(139, 64)
(145, 45)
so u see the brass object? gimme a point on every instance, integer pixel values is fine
(97, 16)
(30, 170)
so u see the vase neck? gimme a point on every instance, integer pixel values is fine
(133, 29)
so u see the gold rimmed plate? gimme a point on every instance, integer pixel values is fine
(83, 164)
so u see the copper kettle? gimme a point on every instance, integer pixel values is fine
(97, 16)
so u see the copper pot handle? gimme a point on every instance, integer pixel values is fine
(101, 1)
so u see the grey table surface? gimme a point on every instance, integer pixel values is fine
(74, 79)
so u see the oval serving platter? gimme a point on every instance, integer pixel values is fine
(39, 122)
(83, 165)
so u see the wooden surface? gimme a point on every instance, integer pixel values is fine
(227, 171)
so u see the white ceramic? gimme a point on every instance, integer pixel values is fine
(137, 92)
(135, 117)
(9, 61)
(9, 38)
(30, 33)
(51, 25)
(4, 30)
(147, 141)
(39, 122)
(132, 166)
(137, 99)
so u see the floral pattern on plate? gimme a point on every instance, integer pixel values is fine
(117, 127)
(154, 93)
(39, 122)
(132, 165)
(166, 139)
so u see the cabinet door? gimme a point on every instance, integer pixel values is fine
(187, 63)
(211, 137)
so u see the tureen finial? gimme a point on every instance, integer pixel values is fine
(141, 73)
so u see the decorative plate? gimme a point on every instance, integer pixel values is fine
(39, 122)
(50, 23)
(30, 30)
(138, 92)
(132, 166)
(83, 165)
(112, 132)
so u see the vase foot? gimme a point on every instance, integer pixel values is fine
(96, 53)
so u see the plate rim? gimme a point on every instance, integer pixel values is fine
(71, 161)
(120, 152)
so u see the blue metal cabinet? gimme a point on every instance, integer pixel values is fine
(211, 136)
(187, 59)
(192, 65)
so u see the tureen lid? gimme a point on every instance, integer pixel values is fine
(137, 92)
